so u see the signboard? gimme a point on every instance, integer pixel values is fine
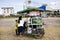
(34, 13)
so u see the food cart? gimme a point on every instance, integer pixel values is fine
(34, 24)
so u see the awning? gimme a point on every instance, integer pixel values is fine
(32, 9)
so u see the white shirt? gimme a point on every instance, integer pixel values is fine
(21, 23)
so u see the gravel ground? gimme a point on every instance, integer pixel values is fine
(51, 33)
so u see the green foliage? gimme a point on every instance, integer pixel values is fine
(55, 14)
(11, 15)
(37, 20)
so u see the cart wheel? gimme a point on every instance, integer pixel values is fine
(40, 34)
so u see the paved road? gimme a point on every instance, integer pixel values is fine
(7, 22)
(52, 21)
(47, 21)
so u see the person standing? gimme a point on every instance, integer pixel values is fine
(20, 26)
(16, 27)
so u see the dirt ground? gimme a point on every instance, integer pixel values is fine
(51, 33)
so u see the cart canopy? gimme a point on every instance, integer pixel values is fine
(32, 9)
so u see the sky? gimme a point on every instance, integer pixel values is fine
(18, 4)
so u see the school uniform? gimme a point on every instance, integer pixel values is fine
(20, 26)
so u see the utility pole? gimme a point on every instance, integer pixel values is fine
(26, 4)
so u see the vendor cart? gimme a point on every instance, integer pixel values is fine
(35, 27)
(34, 23)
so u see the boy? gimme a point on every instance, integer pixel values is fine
(16, 27)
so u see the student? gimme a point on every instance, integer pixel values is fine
(16, 27)
(20, 26)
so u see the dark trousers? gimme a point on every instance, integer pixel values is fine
(20, 30)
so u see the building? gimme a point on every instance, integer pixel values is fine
(6, 11)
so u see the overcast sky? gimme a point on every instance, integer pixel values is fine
(18, 4)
